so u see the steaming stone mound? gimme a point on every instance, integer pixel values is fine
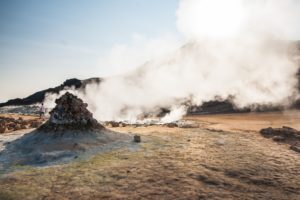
(284, 135)
(70, 113)
(70, 132)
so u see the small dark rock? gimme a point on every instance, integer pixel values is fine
(137, 138)
(171, 125)
(35, 124)
(2, 129)
(295, 148)
(23, 126)
(17, 127)
(285, 134)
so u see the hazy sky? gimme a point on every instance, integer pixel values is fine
(42, 43)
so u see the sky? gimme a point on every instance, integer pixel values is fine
(43, 43)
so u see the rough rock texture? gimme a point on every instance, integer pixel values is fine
(115, 124)
(286, 132)
(70, 113)
(137, 138)
(284, 135)
(70, 132)
(8, 124)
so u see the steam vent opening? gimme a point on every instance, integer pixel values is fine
(70, 113)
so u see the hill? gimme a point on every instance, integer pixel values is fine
(39, 96)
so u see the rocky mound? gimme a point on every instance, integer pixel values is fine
(70, 132)
(70, 113)
(284, 135)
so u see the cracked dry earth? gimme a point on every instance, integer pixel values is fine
(170, 163)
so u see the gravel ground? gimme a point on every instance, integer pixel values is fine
(173, 163)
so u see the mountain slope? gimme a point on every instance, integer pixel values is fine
(39, 96)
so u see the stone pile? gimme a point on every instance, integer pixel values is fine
(115, 124)
(8, 124)
(284, 135)
(70, 113)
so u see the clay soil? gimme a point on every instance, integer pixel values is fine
(225, 158)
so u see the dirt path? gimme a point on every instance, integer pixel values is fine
(173, 163)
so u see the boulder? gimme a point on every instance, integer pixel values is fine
(11, 126)
(112, 124)
(137, 138)
(171, 125)
(23, 126)
(295, 148)
(17, 127)
(285, 135)
(2, 128)
(35, 124)
(286, 132)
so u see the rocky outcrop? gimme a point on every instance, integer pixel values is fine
(8, 124)
(284, 135)
(70, 113)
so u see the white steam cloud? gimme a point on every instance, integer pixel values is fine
(230, 18)
(233, 48)
(123, 57)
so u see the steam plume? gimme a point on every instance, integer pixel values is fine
(237, 49)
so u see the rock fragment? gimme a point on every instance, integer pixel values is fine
(137, 138)
(285, 134)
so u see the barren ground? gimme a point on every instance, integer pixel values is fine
(16, 116)
(175, 163)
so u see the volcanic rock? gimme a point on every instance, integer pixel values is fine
(70, 113)
(285, 135)
(295, 148)
(35, 124)
(137, 138)
(286, 132)
(171, 125)
(17, 127)
(278, 138)
(8, 124)
(70, 132)
(2, 128)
